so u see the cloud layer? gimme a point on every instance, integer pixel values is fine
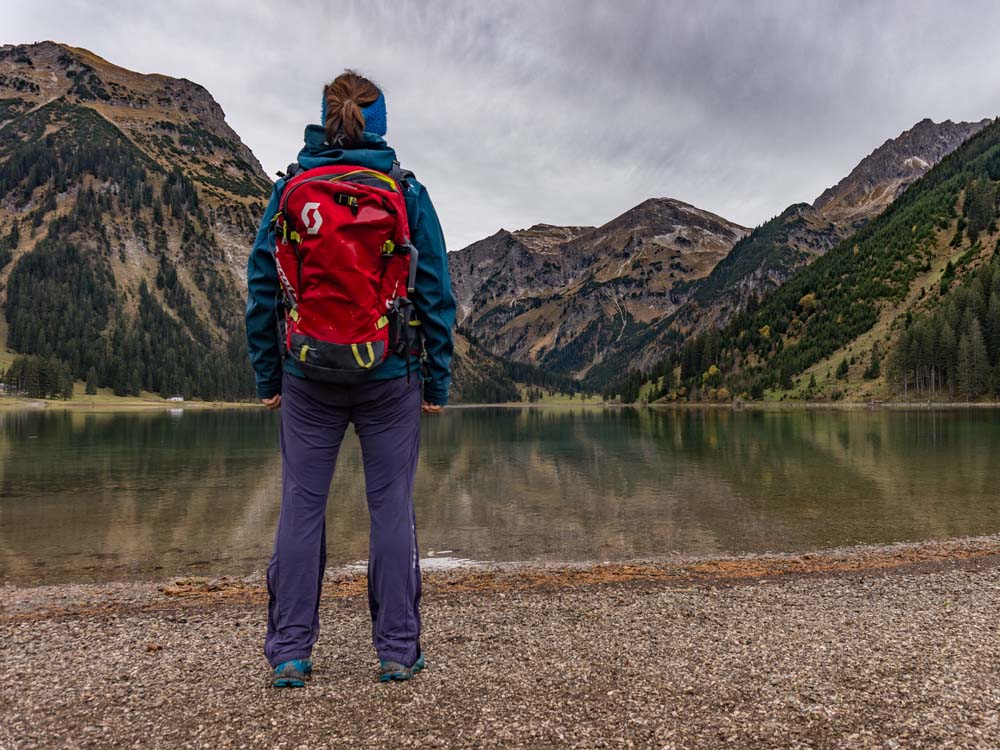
(516, 112)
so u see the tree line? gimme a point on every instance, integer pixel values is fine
(954, 351)
(64, 305)
(39, 377)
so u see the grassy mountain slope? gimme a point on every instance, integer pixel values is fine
(942, 227)
(478, 376)
(801, 233)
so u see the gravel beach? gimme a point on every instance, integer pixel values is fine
(873, 647)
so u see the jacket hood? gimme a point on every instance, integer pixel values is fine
(374, 152)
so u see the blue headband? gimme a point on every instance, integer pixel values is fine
(374, 114)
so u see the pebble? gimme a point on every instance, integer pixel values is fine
(862, 659)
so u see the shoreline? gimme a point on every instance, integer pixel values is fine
(750, 405)
(125, 404)
(106, 404)
(74, 598)
(861, 647)
(834, 405)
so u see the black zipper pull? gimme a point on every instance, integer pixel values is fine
(345, 199)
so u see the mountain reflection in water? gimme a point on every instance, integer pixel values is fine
(92, 496)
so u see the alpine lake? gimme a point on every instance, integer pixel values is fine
(196, 492)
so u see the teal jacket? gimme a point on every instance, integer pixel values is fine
(432, 298)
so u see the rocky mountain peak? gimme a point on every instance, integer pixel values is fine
(545, 237)
(892, 167)
(173, 120)
(557, 296)
(665, 212)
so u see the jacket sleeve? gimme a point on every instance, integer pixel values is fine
(262, 303)
(432, 298)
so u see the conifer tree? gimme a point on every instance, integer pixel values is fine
(874, 369)
(991, 329)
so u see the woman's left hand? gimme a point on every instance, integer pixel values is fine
(428, 408)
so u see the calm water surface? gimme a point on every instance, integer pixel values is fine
(154, 495)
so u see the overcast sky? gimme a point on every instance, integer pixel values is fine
(516, 112)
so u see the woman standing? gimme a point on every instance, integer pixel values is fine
(321, 387)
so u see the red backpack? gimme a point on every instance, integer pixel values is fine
(345, 263)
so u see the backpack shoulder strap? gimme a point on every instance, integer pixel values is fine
(400, 175)
(291, 170)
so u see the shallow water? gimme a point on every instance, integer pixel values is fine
(93, 496)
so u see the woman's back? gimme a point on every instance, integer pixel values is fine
(346, 179)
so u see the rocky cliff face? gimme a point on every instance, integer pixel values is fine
(508, 265)
(129, 198)
(560, 296)
(883, 175)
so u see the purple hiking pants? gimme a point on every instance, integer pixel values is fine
(314, 418)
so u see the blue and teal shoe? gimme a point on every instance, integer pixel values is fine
(393, 670)
(292, 673)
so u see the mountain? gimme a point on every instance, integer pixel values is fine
(597, 302)
(774, 251)
(557, 297)
(802, 232)
(908, 304)
(883, 175)
(509, 264)
(127, 210)
(128, 207)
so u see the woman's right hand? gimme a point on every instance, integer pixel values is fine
(272, 403)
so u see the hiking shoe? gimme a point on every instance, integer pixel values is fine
(393, 670)
(292, 673)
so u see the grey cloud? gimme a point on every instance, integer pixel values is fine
(571, 112)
